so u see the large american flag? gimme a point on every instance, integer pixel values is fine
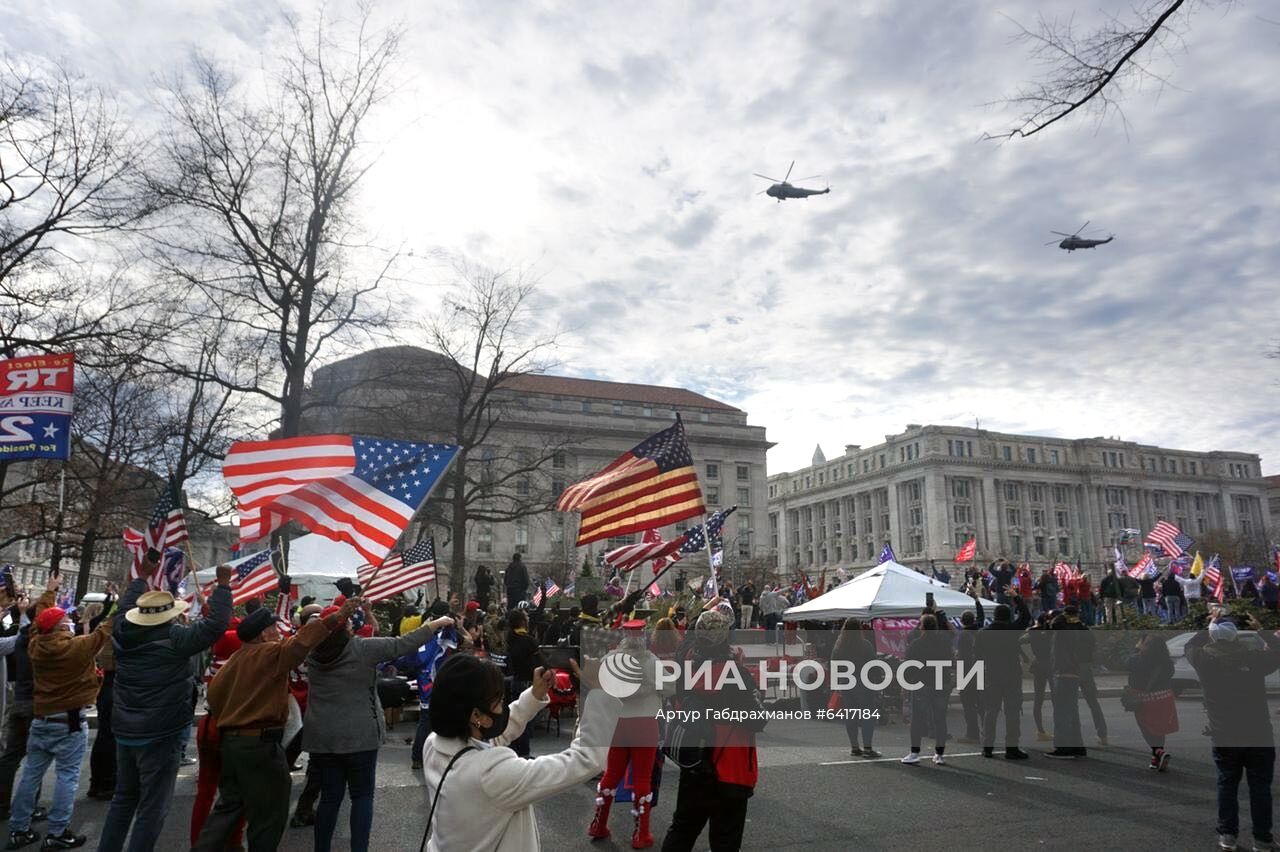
(400, 572)
(651, 485)
(1171, 540)
(167, 527)
(356, 489)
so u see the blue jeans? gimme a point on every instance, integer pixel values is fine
(1257, 765)
(339, 773)
(145, 776)
(1176, 607)
(50, 742)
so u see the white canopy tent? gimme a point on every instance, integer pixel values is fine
(886, 591)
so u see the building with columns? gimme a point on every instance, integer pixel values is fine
(929, 489)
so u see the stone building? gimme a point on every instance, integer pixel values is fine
(929, 489)
(592, 421)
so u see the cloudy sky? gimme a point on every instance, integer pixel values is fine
(610, 148)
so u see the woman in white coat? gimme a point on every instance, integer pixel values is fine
(487, 798)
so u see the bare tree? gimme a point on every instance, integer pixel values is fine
(1090, 71)
(260, 212)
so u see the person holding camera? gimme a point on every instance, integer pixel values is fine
(250, 699)
(1233, 681)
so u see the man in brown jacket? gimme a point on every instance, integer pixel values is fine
(250, 699)
(66, 685)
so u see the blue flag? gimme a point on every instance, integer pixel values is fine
(886, 555)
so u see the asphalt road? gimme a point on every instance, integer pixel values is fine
(813, 796)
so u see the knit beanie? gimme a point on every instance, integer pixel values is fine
(712, 628)
(1219, 631)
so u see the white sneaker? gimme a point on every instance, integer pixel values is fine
(938, 760)
(912, 758)
(1226, 841)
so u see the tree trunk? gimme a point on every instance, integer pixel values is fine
(458, 527)
(88, 545)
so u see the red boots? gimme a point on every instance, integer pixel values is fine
(640, 837)
(600, 822)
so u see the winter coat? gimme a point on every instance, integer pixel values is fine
(1233, 679)
(154, 666)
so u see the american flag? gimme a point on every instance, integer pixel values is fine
(630, 555)
(695, 540)
(1141, 567)
(1168, 538)
(568, 590)
(167, 527)
(968, 551)
(886, 554)
(651, 485)
(400, 572)
(253, 577)
(1212, 578)
(653, 537)
(356, 489)
(552, 591)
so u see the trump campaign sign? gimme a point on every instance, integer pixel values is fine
(36, 399)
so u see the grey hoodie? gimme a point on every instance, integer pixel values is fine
(344, 714)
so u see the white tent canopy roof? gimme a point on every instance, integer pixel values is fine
(314, 563)
(886, 591)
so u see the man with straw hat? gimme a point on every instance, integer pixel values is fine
(152, 714)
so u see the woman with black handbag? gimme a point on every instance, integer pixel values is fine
(1149, 696)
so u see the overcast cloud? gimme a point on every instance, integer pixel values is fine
(611, 147)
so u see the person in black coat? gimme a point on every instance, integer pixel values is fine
(1072, 655)
(516, 581)
(1151, 670)
(484, 587)
(970, 697)
(929, 703)
(853, 646)
(997, 648)
(523, 657)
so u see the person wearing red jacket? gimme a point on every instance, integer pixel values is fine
(208, 746)
(717, 791)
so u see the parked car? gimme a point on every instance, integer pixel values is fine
(1184, 674)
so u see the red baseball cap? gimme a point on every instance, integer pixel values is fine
(472, 606)
(50, 618)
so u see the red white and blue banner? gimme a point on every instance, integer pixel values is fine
(36, 401)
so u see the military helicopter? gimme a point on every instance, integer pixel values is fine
(781, 189)
(1075, 241)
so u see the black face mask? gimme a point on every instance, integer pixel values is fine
(499, 725)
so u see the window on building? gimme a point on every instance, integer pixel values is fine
(882, 461)
(522, 535)
(744, 472)
(557, 530)
(704, 417)
(1037, 518)
(884, 521)
(558, 460)
(913, 491)
(556, 402)
(917, 543)
(1059, 494)
(1036, 493)
(1116, 497)
(963, 514)
(713, 495)
(917, 516)
(617, 408)
(960, 488)
(1064, 546)
(1053, 457)
(522, 486)
(586, 407)
(1006, 453)
(853, 552)
(866, 465)
(808, 482)
(1179, 502)
(1031, 455)
(484, 538)
(1062, 519)
(713, 470)
(1157, 499)
(744, 496)
(1013, 516)
(1039, 544)
(1011, 491)
(648, 411)
(1193, 468)
(1015, 543)
(821, 477)
(1199, 502)
(853, 526)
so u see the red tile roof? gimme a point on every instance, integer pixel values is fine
(676, 398)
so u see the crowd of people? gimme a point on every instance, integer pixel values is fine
(320, 680)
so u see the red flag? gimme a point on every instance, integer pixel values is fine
(968, 552)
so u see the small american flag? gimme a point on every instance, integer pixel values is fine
(253, 577)
(356, 489)
(1170, 540)
(1212, 578)
(400, 572)
(552, 591)
(167, 527)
